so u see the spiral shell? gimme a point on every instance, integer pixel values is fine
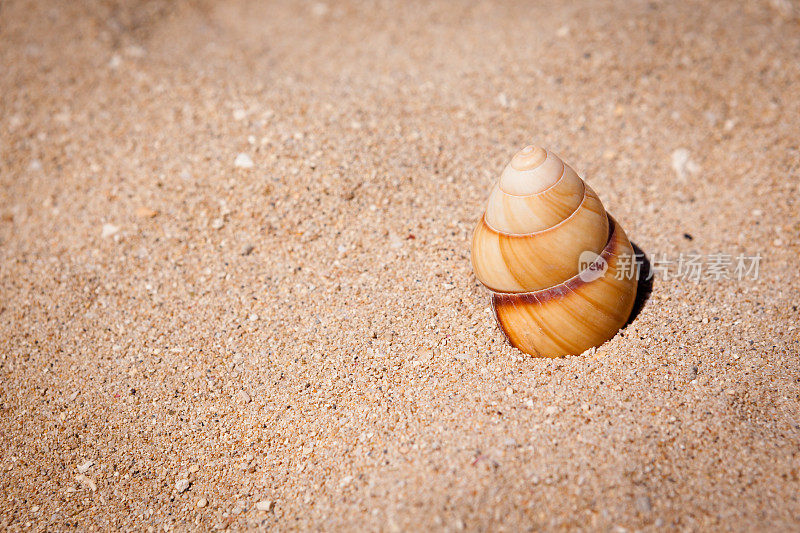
(530, 249)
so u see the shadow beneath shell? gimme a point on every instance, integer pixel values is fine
(645, 283)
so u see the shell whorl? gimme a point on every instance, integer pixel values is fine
(540, 220)
(532, 170)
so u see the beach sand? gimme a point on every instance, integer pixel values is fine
(293, 338)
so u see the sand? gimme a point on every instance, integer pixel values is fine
(294, 338)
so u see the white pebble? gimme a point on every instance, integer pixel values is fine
(109, 230)
(202, 502)
(265, 505)
(243, 161)
(239, 114)
(84, 467)
(682, 163)
(181, 485)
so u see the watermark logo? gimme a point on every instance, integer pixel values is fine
(591, 266)
(685, 267)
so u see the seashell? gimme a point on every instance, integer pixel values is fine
(557, 265)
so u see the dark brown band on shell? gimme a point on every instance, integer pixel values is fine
(502, 299)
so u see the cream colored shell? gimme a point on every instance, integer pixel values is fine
(527, 249)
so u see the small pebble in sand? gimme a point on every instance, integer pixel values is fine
(682, 163)
(265, 505)
(202, 502)
(86, 482)
(243, 161)
(551, 410)
(239, 114)
(217, 223)
(109, 230)
(182, 484)
(145, 212)
(243, 396)
(248, 249)
(85, 466)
